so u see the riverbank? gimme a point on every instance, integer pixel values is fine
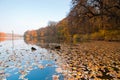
(90, 60)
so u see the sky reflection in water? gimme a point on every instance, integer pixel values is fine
(20, 63)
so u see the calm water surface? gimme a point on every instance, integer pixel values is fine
(18, 62)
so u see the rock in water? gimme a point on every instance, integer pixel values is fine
(33, 49)
(57, 47)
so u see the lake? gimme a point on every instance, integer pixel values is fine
(19, 62)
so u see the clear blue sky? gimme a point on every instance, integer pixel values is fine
(22, 15)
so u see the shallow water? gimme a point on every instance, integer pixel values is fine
(18, 62)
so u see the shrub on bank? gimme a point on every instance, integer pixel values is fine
(107, 35)
(76, 38)
(112, 35)
(98, 35)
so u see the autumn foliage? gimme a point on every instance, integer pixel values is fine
(87, 20)
(2, 34)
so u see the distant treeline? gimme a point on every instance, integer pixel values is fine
(2, 34)
(87, 20)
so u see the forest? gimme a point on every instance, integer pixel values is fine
(87, 20)
(2, 34)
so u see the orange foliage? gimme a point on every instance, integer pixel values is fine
(34, 33)
(2, 34)
(2, 39)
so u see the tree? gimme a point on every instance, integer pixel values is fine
(107, 10)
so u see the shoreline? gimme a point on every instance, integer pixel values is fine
(91, 60)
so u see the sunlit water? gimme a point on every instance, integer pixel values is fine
(18, 62)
